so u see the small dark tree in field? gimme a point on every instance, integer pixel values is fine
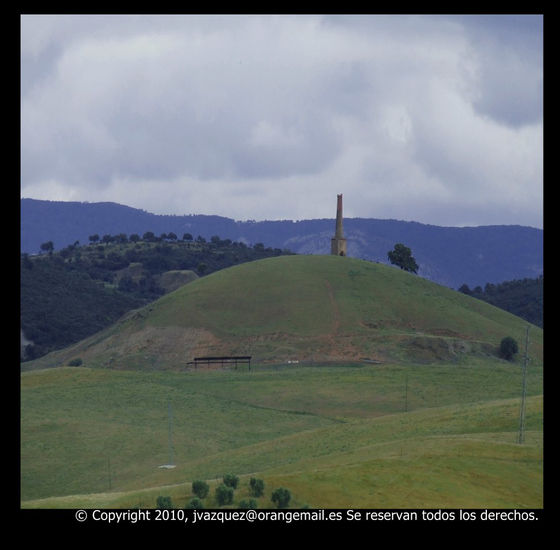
(194, 504)
(401, 256)
(224, 494)
(508, 348)
(281, 497)
(200, 488)
(256, 487)
(163, 503)
(248, 504)
(231, 480)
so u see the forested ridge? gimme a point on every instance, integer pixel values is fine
(72, 293)
(523, 297)
(449, 256)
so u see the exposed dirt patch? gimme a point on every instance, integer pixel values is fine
(161, 347)
(433, 348)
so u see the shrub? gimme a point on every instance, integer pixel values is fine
(231, 480)
(200, 488)
(224, 494)
(256, 487)
(75, 362)
(508, 348)
(281, 497)
(248, 504)
(163, 503)
(194, 504)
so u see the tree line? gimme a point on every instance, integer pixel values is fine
(522, 297)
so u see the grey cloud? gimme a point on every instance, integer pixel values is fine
(509, 54)
(402, 112)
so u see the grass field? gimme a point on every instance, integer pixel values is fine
(388, 436)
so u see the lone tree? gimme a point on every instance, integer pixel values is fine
(508, 348)
(401, 256)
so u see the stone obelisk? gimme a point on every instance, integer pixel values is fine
(338, 242)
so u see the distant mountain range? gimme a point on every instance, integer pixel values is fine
(450, 256)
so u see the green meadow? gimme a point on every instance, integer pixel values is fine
(385, 436)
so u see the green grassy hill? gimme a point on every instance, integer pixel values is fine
(304, 308)
(433, 424)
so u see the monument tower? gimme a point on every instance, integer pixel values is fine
(338, 242)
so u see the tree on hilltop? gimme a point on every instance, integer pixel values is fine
(401, 256)
(48, 247)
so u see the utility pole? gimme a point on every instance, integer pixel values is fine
(521, 439)
(406, 394)
(170, 433)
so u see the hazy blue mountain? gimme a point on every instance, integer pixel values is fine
(450, 256)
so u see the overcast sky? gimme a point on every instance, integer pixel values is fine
(435, 119)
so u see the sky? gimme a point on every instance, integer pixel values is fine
(435, 119)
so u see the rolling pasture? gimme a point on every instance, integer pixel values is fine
(370, 436)
(370, 387)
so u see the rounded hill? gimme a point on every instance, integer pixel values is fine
(304, 308)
